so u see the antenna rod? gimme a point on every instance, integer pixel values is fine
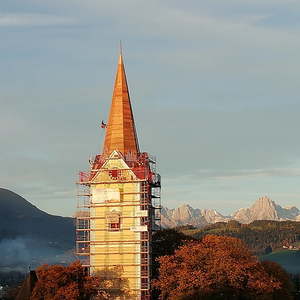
(121, 52)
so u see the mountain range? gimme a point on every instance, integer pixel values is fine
(262, 209)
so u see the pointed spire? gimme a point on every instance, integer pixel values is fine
(120, 131)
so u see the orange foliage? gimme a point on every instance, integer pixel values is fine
(71, 283)
(215, 266)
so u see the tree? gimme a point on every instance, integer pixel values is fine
(70, 283)
(217, 267)
(296, 282)
(111, 280)
(275, 270)
(257, 235)
(165, 242)
(268, 249)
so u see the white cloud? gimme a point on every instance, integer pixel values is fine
(18, 19)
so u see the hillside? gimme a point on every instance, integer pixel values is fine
(260, 236)
(29, 236)
(18, 218)
(289, 260)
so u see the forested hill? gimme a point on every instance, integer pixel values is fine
(30, 236)
(260, 236)
(20, 219)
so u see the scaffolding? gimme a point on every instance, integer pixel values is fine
(143, 166)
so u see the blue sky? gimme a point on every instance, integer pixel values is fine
(214, 87)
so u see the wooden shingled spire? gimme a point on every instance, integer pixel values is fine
(120, 130)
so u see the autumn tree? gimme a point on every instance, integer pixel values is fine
(165, 242)
(217, 267)
(275, 270)
(72, 282)
(111, 279)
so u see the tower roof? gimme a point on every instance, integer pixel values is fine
(120, 131)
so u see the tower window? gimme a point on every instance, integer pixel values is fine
(114, 226)
(113, 221)
(115, 173)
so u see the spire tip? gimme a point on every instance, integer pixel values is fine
(121, 53)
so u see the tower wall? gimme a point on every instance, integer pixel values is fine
(116, 246)
(121, 217)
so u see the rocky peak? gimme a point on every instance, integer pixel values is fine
(186, 215)
(183, 215)
(183, 212)
(212, 216)
(262, 209)
(289, 212)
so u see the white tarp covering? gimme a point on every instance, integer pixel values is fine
(139, 228)
(102, 195)
(141, 213)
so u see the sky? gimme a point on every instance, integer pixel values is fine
(214, 87)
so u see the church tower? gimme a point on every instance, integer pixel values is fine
(119, 206)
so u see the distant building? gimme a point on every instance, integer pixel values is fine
(120, 205)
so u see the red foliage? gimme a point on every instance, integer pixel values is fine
(71, 283)
(214, 266)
